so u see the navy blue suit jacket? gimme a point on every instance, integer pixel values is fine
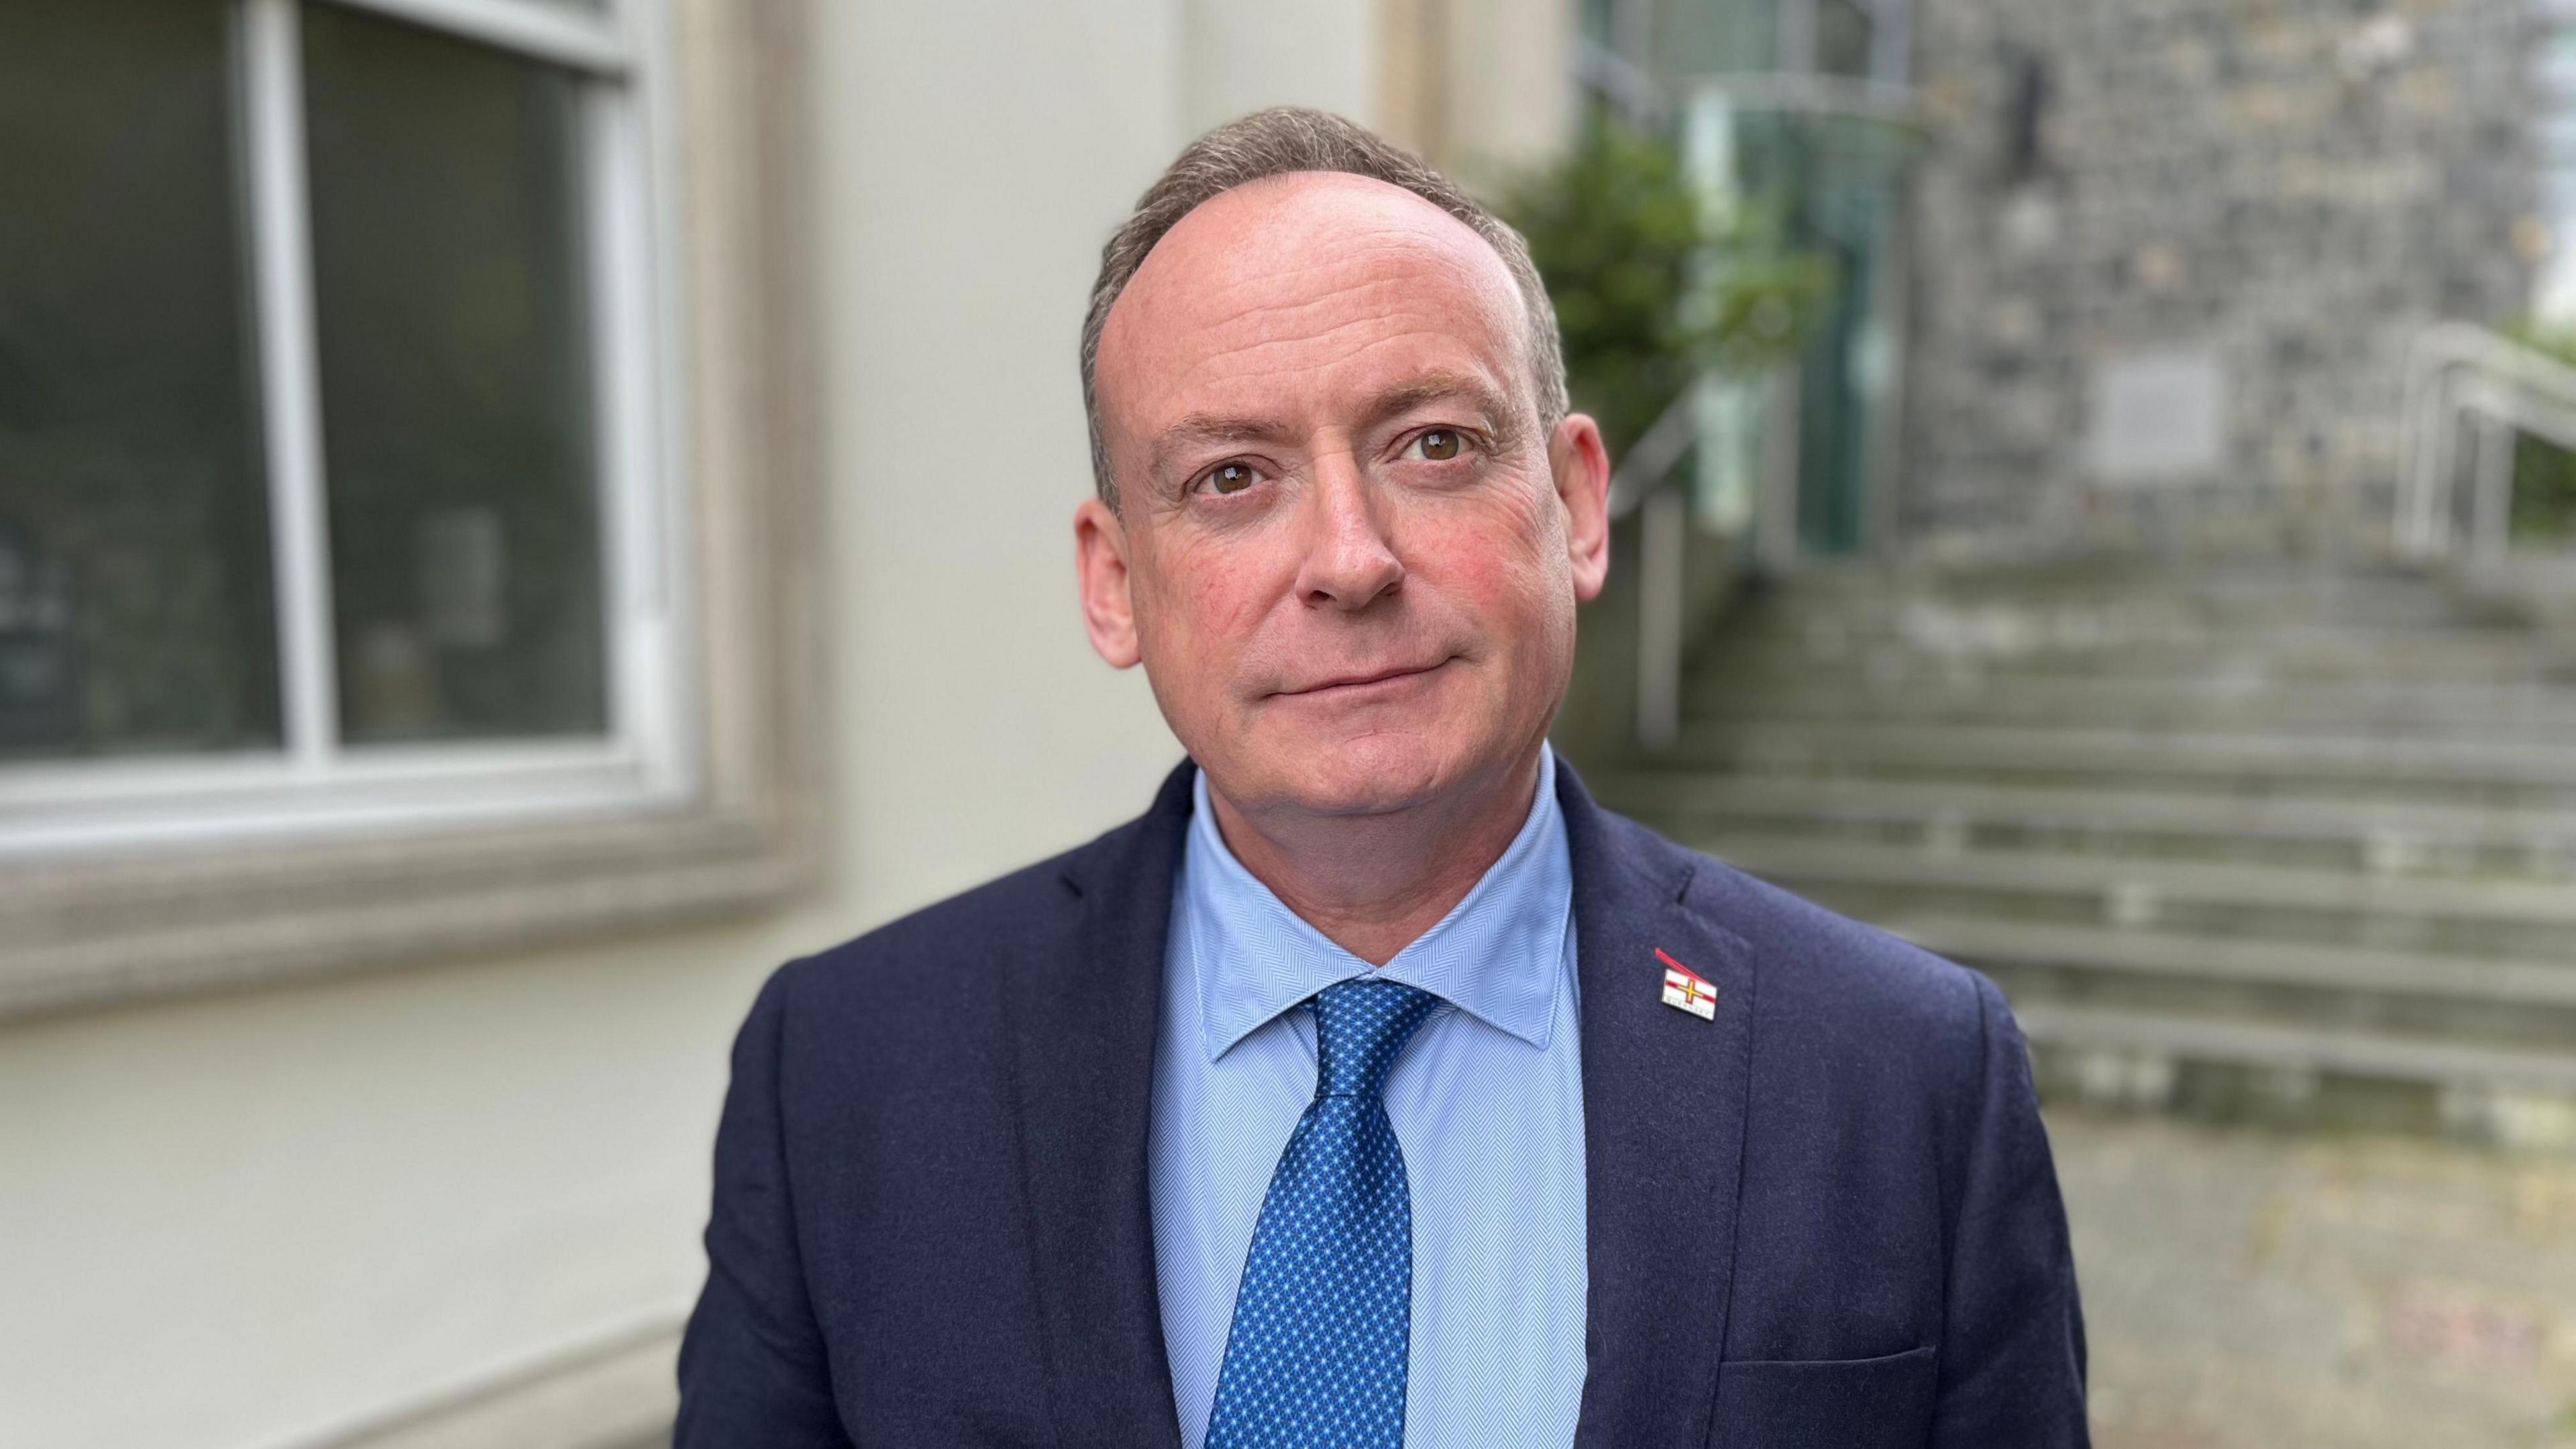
(1827, 1218)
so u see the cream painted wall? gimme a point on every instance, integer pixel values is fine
(247, 1219)
(1242, 55)
(251, 1220)
(974, 157)
(1510, 106)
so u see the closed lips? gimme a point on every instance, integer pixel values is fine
(1355, 680)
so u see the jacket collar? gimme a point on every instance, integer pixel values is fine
(1664, 1121)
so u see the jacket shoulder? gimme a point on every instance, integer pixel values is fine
(1033, 906)
(906, 1018)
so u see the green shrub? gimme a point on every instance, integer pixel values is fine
(1652, 287)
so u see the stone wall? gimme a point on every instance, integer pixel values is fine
(2234, 213)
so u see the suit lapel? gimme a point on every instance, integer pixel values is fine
(1663, 1134)
(1082, 1030)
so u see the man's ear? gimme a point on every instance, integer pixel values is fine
(1100, 571)
(1580, 463)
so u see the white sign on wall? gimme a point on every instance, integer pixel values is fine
(2158, 417)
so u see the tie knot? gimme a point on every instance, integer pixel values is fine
(1361, 1027)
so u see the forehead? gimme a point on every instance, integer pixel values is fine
(1309, 281)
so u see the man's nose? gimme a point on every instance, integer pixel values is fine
(1348, 563)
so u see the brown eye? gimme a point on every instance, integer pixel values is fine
(1438, 445)
(1229, 478)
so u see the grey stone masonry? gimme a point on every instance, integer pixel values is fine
(2168, 254)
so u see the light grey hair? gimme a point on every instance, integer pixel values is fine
(1278, 142)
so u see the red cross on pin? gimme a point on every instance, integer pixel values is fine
(1686, 989)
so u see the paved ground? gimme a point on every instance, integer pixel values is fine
(2251, 1290)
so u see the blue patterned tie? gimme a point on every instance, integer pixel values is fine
(1316, 1356)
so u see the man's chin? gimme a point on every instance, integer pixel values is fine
(1368, 774)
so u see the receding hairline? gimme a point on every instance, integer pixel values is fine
(1283, 142)
(1437, 220)
(1440, 228)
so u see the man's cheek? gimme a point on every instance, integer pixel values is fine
(1225, 593)
(1486, 577)
(1217, 603)
(1193, 629)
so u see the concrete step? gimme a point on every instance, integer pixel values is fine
(2430, 995)
(2283, 1046)
(2295, 654)
(2326, 832)
(1942, 627)
(2509, 773)
(2505, 918)
(2006, 617)
(2261, 595)
(2177, 956)
(2206, 700)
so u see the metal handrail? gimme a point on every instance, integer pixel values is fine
(1648, 483)
(2468, 385)
(1649, 464)
(1644, 483)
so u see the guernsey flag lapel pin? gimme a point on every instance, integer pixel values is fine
(1687, 989)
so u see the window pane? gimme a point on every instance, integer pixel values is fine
(1844, 38)
(449, 290)
(135, 599)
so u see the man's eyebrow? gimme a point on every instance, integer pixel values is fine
(1493, 410)
(1201, 429)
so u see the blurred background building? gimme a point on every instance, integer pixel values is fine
(517, 516)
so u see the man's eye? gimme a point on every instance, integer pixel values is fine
(1439, 444)
(1229, 477)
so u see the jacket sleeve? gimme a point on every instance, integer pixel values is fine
(2012, 1350)
(752, 1366)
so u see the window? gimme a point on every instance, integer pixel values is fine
(352, 604)
(328, 492)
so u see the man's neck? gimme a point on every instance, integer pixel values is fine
(1374, 883)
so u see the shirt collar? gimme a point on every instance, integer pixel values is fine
(1498, 955)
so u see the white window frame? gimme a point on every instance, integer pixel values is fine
(133, 876)
(315, 782)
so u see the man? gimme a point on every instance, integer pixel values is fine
(1375, 1087)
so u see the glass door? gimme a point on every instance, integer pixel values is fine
(1803, 108)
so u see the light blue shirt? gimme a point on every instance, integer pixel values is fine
(1487, 1103)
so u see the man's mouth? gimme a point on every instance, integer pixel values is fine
(1360, 682)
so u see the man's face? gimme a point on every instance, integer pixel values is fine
(1345, 552)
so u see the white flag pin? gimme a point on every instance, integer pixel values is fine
(1687, 989)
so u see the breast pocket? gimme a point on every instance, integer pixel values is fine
(1842, 1403)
